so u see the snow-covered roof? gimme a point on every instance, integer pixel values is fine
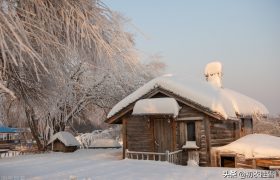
(226, 102)
(66, 138)
(255, 146)
(156, 106)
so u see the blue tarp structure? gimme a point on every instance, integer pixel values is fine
(4, 129)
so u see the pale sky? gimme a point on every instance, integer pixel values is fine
(242, 34)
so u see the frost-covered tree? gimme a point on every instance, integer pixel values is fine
(91, 92)
(40, 42)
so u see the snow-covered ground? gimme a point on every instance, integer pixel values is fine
(102, 164)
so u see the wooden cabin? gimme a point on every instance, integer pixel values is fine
(178, 121)
(63, 142)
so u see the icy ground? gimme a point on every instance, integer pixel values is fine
(99, 164)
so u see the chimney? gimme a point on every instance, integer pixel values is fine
(213, 73)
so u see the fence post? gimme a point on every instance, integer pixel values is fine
(167, 155)
(126, 154)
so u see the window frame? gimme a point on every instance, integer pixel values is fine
(187, 131)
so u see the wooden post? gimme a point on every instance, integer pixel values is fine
(208, 139)
(174, 123)
(254, 164)
(198, 133)
(167, 156)
(124, 136)
(153, 145)
(126, 154)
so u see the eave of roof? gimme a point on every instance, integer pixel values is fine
(115, 119)
(201, 95)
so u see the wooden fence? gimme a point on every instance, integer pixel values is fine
(172, 157)
(10, 153)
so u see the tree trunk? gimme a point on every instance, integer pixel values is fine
(59, 126)
(33, 124)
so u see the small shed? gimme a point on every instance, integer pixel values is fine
(258, 151)
(63, 142)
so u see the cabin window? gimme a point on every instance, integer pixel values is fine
(190, 127)
(227, 161)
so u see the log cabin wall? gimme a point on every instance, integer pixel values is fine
(139, 134)
(187, 112)
(222, 132)
(246, 126)
(209, 131)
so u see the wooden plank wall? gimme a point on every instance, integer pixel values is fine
(187, 111)
(210, 132)
(163, 134)
(266, 163)
(139, 135)
(247, 126)
(241, 162)
(222, 132)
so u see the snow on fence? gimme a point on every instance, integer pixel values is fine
(10, 153)
(175, 157)
(88, 139)
(172, 157)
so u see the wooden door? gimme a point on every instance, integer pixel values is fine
(162, 135)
